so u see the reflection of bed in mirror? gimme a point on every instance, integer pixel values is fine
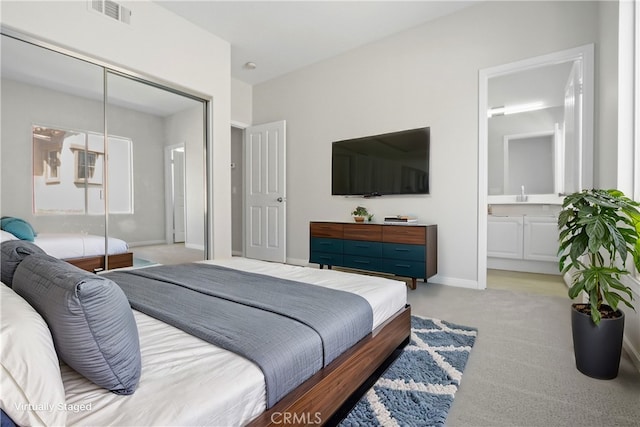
(85, 251)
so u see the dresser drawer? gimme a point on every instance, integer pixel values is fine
(361, 262)
(409, 234)
(404, 252)
(404, 268)
(371, 232)
(363, 248)
(325, 258)
(321, 244)
(326, 229)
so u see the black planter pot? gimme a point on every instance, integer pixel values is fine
(597, 348)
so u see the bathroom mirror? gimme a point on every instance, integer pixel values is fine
(537, 117)
(530, 162)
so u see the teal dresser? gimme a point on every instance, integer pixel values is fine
(402, 250)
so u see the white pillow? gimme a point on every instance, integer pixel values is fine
(32, 389)
(5, 236)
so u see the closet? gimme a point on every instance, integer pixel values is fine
(83, 148)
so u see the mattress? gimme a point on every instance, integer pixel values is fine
(186, 381)
(75, 245)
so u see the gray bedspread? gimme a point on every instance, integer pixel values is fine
(289, 329)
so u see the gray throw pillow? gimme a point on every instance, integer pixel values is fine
(12, 252)
(90, 319)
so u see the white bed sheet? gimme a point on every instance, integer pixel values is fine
(76, 245)
(187, 381)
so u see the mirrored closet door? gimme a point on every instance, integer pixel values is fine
(97, 162)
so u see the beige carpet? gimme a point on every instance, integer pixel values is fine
(167, 254)
(540, 284)
(521, 371)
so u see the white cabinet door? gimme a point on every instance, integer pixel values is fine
(541, 238)
(504, 237)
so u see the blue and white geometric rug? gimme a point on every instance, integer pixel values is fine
(418, 388)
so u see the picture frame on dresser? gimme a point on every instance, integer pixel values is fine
(407, 250)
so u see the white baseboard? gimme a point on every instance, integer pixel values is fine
(634, 353)
(298, 261)
(542, 267)
(194, 246)
(453, 281)
(147, 243)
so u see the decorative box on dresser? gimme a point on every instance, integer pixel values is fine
(408, 250)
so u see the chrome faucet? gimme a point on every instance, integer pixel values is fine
(521, 197)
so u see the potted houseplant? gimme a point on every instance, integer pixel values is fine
(598, 235)
(360, 213)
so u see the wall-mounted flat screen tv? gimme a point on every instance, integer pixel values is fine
(391, 163)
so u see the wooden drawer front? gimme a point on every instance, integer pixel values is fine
(361, 262)
(121, 260)
(369, 232)
(326, 229)
(405, 268)
(90, 264)
(321, 244)
(363, 248)
(404, 234)
(325, 258)
(404, 252)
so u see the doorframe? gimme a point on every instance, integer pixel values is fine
(168, 194)
(586, 54)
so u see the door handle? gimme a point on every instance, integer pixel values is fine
(279, 199)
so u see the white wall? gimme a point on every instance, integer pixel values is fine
(158, 44)
(627, 115)
(606, 136)
(241, 100)
(427, 76)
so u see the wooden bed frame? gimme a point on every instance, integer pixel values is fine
(96, 263)
(317, 399)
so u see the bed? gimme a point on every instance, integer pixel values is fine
(85, 251)
(186, 381)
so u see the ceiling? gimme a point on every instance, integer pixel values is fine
(283, 36)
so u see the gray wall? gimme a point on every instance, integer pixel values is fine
(237, 175)
(427, 76)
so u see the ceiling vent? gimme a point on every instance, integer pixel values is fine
(111, 9)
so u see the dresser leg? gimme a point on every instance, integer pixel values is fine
(413, 283)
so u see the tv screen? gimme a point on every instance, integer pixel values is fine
(391, 163)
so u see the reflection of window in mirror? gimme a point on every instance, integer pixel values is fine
(53, 162)
(68, 172)
(85, 168)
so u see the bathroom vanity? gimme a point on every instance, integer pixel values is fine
(523, 238)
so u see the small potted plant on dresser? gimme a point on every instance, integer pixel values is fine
(360, 213)
(598, 234)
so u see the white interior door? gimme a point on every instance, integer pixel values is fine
(265, 192)
(179, 198)
(175, 194)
